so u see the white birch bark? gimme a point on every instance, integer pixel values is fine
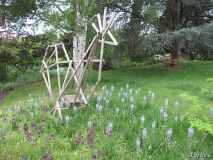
(79, 40)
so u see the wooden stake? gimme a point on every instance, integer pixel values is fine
(59, 81)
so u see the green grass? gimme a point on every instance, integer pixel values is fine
(189, 79)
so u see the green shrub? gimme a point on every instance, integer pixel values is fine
(128, 63)
(36, 68)
(7, 86)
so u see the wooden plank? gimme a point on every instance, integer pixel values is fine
(65, 51)
(90, 45)
(108, 42)
(112, 37)
(51, 65)
(95, 27)
(90, 65)
(58, 72)
(81, 91)
(104, 19)
(83, 73)
(48, 76)
(50, 57)
(85, 60)
(68, 70)
(45, 80)
(109, 24)
(99, 22)
(47, 49)
(58, 44)
(70, 99)
(44, 64)
(61, 62)
(59, 110)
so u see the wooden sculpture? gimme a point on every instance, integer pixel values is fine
(87, 60)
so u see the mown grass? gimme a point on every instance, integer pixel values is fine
(189, 79)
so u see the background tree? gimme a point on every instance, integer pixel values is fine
(21, 53)
(179, 14)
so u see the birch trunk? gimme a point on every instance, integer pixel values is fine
(79, 41)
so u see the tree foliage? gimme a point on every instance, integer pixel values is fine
(21, 53)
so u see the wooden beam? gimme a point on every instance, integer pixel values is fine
(58, 72)
(104, 19)
(95, 27)
(58, 44)
(112, 37)
(99, 23)
(109, 24)
(107, 42)
(65, 51)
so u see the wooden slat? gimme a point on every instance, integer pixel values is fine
(99, 22)
(65, 51)
(65, 79)
(109, 24)
(107, 42)
(58, 72)
(45, 80)
(85, 60)
(48, 76)
(95, 27)
(58, 44)
(104, 19)
(112, 37)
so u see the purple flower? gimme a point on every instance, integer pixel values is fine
(41, 131)
(45, 109)
(5, 120)
(94, 156)
(29, 137)
(47, 157)
(78, 141)
(90, 137)
(1, 96)
(33, 126)
(43, 118)
(101, 153)
(2, 139)
(59, 121)
(26, 129)
(24, 112)
(15, 122)
(108, 132)
(53, 136)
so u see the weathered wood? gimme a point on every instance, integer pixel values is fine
(65, 79)
(45, 80)
(58, 72)
(108, 42)
(71, 99)
(112, 37)
(89, 56)
(104, 18)
(48, 76)
(109, 24)
(90, 65)
(95, 27)
(58, 44)
(65, 51)
(86, 57)
(90, 60)
(99, 22)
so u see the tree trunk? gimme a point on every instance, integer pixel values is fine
(79, 41)
(175, 50)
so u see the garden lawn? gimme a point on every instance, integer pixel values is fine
(41, 136)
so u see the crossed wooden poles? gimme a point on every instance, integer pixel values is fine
(88, 60)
